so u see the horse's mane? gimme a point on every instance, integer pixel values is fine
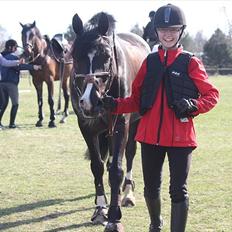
(91, 34)
(92, 24)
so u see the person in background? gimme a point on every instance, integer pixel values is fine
(170, 89)
(148, 32)
(10, 79)
(7, 63)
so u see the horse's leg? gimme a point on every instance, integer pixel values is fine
(116, 177)
(66, 100)
(103, 145)
(129, 185)
(97, 168)
(39, 91)
(50, 85)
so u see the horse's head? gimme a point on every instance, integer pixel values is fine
(95, 63)
(30, 39)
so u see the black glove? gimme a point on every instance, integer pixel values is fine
(184, 107)
(109, 103)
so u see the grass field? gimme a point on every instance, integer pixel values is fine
(46, 183)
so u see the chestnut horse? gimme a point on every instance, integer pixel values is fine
(106, 62)
(38, 50)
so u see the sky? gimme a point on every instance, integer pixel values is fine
(54, 16)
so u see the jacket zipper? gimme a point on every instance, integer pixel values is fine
(162, 99)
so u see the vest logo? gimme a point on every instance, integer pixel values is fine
(175, 74)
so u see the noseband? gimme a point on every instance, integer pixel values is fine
(32, 57)
(91, 78)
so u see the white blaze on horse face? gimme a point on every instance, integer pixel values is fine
(85, 99)
(28, 36)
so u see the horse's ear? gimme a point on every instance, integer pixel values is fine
(33, 24)
(21, 25)
(103, 24)
(77, 24)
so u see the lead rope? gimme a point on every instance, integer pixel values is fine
(34, 58)
(112, 122)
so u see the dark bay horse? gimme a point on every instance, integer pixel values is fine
(38, 50)
(106, 62)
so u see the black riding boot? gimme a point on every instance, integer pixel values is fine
(179, 214)
(13, 114)
(154, 209)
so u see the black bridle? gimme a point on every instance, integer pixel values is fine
(90, 78)
(32, 57)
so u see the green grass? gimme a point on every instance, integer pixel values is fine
(46, 183)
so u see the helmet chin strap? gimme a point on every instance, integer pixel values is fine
(182, 31)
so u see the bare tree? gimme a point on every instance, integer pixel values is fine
(229, 23)
(3, 37)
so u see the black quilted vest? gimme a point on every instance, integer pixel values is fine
(175, 77)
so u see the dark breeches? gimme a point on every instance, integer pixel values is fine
(179, 159)
(8, 91)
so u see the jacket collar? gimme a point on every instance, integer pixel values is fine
(171, 54)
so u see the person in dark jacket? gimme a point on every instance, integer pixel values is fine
(7, 63)
(9, 81)
(149, 34)
(166, 126)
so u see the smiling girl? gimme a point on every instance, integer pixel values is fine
(170, 89)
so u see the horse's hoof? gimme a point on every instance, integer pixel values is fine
(100, 216)
(114, 227)
(63, 120)
(128, 189)
(51, 124)
(39, 124)
(128, 202)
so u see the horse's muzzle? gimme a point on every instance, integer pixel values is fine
(94, 111)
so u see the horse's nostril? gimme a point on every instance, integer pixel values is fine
(81, 102)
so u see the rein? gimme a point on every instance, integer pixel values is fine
(32, 58)
(111, 122)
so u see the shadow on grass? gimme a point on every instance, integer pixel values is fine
(40, 204)
(24, 127)
(74, 226)
(7, 225)
(31, 126)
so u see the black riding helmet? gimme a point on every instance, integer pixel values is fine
(168, 16)
(10, 43)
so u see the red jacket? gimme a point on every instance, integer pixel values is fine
(172, 132)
